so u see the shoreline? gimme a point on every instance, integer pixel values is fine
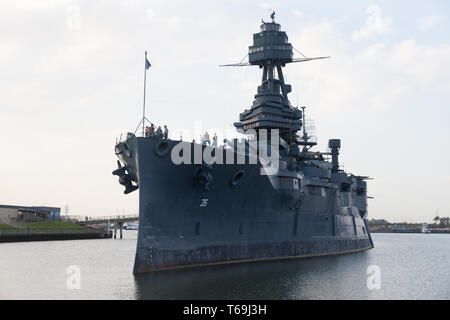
(409, 231)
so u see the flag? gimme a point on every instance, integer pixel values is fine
(147, 63)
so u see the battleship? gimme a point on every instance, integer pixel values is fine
(236, 205)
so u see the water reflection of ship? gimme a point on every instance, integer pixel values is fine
(312, 278)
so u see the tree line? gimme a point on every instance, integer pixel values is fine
(441, 222)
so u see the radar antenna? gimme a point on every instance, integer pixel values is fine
(305, 138)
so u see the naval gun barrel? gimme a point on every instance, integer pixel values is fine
(334, 145)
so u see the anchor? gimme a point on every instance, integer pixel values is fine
(124, 178)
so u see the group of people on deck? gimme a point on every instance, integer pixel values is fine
(206, 141)
(152, 131)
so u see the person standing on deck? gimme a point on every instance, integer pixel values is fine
(159, 131)
(151, 130)
(206, 138)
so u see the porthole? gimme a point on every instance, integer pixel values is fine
(237, 177)
(162, 148)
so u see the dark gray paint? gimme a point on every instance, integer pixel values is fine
(193, 214)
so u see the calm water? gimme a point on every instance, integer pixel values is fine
(413, 266)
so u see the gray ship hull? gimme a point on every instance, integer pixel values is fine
(183, 225)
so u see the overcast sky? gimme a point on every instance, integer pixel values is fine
(71, 81)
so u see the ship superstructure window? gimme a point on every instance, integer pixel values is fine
(256, 49)
(345, 187)
(270, 27)
(317, 191)
(280, 47)
(360, 191)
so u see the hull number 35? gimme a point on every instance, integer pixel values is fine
(204, 202)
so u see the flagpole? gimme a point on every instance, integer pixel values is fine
(145, 85)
